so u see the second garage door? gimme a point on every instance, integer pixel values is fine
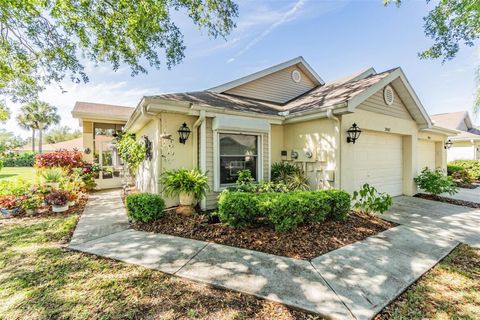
(379, 162)
(425, 154)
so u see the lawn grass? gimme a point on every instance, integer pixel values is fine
(41, 279)
(451, 290)
(27, 173)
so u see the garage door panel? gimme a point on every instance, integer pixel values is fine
(379, 162)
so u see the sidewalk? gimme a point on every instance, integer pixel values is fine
(353, 282)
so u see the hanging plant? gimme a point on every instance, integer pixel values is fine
(130, 150)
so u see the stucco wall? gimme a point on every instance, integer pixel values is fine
(319, 137)
(148, 172)
(463, 151)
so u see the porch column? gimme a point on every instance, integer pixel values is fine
(203, 156)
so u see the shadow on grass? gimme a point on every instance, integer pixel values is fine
(42, 280)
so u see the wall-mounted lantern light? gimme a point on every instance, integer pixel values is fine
(184, 133)
(353, 133)
(448, 144)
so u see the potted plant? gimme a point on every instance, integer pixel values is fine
(188, 185)
(72, 198)
(58, 199)
(31, 204)
(8, 206)
(52, 177)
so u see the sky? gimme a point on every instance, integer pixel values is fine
(336, 38)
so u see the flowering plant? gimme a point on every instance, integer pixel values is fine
(8, 202)
(63, 158)
(57, 198)
(33, 202)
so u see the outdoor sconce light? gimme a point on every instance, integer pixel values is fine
(448, 144)
(353, 133)
(184, 133)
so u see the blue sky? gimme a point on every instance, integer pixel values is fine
(337, 38)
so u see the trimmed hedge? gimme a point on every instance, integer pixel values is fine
(26, 159)
(471, 166)
(451, 169)
(284, 211)
(144, 207)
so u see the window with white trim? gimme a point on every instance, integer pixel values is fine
(237, 152)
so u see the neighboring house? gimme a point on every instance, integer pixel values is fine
(287, 113)
(73, 144)
(466, 145)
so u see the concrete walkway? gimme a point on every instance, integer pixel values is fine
(353, 282)
(472, 195)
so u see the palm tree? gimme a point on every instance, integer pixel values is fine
(38, 115)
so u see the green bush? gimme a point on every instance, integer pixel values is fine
(451, 169)
(435, 182)
(284, 211)
(472, 167)
(280, 171)
(25, 159)
(238, 209)
(340, 204)
(144, 207)
(462, 178)
(368, 200)
(16, 187)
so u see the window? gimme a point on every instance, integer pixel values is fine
(237, 152)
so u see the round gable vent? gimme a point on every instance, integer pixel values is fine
(388, 95)
(296, 76)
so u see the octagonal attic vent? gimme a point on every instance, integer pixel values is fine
(296, 76)
(388, 95)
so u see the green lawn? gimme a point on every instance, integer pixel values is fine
(27, 173)
(451, 290)
(41, 279)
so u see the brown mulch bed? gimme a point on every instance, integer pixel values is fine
(304, 242)
(448, 200)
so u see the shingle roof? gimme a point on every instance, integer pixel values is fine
(319, 98)
(449, 120)
(102, 109)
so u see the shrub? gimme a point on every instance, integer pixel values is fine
(64, 159)
(184, 180)
(451, 169)
(16, 187)
(131, 151)
(461, 178)
(32, 202)
(298, 181)
(144, 207)
(472, 167)
(284, 211)
(238, 209)
(8, 202)
(435, 182)
(280, 171)
(368, 200)
(340, 204)
(25, 159)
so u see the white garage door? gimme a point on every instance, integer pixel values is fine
(425, 154)
(379, 162)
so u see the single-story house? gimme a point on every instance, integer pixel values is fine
(284, 113)
(466, 144)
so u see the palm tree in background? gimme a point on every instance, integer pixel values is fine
(37, 116)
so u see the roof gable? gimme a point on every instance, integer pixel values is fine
(454, 120)
(274, 84)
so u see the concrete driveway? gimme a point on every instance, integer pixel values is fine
(442, 219)
(472, 195)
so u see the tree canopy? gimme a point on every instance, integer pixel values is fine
(42, 41)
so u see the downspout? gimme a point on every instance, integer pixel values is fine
(156, 117)
(203, 146)
(338, 151)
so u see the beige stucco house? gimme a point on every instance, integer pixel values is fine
(465, 145)
(284, 113)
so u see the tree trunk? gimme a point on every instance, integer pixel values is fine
(33, 140)
(40, 141)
